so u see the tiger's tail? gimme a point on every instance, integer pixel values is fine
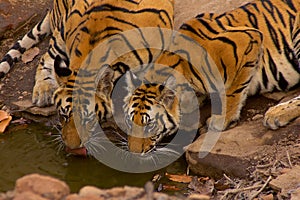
(34, 36)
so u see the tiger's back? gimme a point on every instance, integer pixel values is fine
(103, 19)
(276, 21)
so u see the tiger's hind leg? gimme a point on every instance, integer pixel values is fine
(283, 113)
(237, 53)
(45, 81)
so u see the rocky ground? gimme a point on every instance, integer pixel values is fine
(37, 187)
(249, 161)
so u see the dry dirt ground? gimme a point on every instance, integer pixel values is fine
(17, 17)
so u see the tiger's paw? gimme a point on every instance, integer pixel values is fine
(281, 114)
(220, 123)
(43, 92)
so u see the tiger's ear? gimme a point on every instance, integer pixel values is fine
(104, 82)
(61, 67)
(132, 81)
(168, 94)
(62, 71)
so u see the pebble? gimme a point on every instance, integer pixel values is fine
(287, 182)
(257, 117)
(198, 197)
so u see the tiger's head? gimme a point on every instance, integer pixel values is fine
(64, 100)
(151, 113)
(151, 109)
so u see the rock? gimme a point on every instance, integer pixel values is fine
(38, 187)
(27, 110)
(282, 96)
(26, 105)
(7, 195)
(295, 194)
(28, 196)
(277, 96)
(237, 149)
(73, 197)
(126, 192)
(90, 190)
(198, 197)
(288, 182)
(44, 186)
(267, 197)
(257, 117)
(78, 197)
(30, 54)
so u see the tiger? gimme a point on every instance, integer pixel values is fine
(278, 21)
(76, 27)
(256, 50)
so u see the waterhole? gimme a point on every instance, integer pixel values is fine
(32, 148)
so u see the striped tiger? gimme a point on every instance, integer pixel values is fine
(278, 69)
(256, 49)
(76, 28)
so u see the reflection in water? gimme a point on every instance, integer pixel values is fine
(27, 149)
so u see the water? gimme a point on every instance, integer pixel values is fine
(27, 149)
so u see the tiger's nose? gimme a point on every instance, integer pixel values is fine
(139, 145)
(70, 135)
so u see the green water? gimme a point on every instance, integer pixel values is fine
(31, 149)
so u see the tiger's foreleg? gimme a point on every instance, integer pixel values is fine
(45, 81)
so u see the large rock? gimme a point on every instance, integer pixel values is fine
(238, 149)
(27, 106)
(44, 186)
(27, 110)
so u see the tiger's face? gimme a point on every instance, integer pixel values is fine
(64, 100)
(69, 133)
(63, 103)
(151, 113)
